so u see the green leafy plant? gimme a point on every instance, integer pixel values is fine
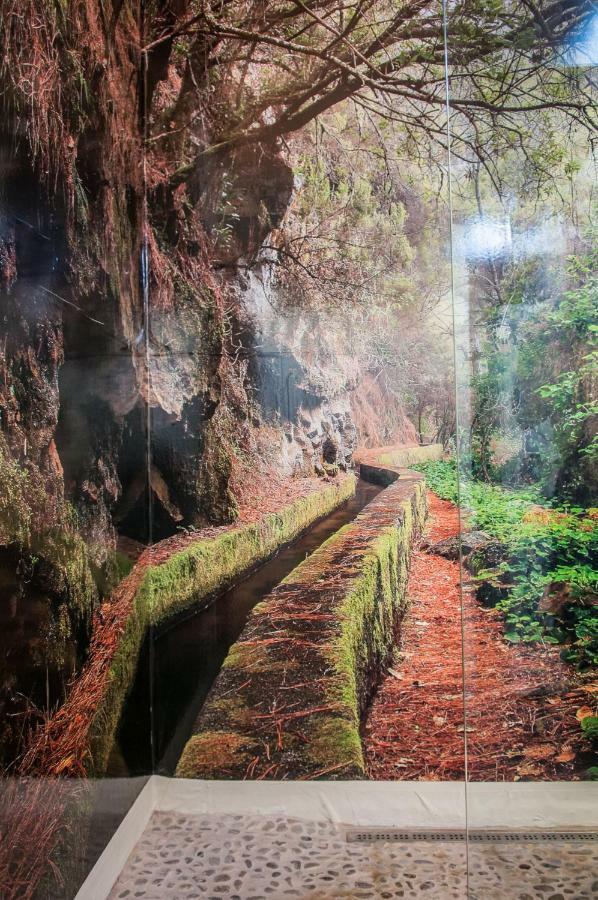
(441, 477)
(589, 726)
(549, 561)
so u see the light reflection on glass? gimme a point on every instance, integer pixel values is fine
(582, 50)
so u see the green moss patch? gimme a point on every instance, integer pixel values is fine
(45, 531)
(212, 752)
(210, 566)
(304, 668)
(193, 576)
(335, 745)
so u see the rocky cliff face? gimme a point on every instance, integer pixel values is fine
(137, 359)
(71, 365)
(297, 382)
(148, 366)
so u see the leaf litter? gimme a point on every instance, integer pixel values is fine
(519, 706)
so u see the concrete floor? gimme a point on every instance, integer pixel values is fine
(253, 841)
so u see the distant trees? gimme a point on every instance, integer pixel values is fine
(252, 73)
(540, 387)
(557, 385)
(363, 247)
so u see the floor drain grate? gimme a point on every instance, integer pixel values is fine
(375, 835)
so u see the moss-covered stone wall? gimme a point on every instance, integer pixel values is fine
(411, 456)
(42, 531)
(289, 699)
(380, 466)
(191, 577)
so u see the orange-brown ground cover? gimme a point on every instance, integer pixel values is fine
(520, 701)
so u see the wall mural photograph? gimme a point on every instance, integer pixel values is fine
(298, 449)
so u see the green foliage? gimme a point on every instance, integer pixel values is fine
(490, 508)
(489, 391)
(548, 553)
(554, 558)
(497, 510)
(122, 565)
(589, 726)
(45, 529)
(15, 503)
(441, 477)
(570, 397)
(541, 385)
(345, 242)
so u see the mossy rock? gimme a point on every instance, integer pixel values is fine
(336, 742)
(45, 532)
(212, 752)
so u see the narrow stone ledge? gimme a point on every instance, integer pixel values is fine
(166, 579)
(192, 577)
(210, 566)
(381, 466)
(290, 697)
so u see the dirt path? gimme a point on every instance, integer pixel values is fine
(521, 700)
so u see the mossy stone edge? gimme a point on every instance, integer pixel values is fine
(294, 688)
(192, 577)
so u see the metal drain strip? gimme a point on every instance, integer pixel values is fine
(376, 835)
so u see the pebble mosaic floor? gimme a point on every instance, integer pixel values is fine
(230, 857)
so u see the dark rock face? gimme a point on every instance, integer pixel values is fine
(487, 556)
(286, 397)
(242, 197)
(490, 557)
(327, 446)
(329, 450)
(78, 396)
(129, 373)
(489, 593)
(32, 627)
(468, 543)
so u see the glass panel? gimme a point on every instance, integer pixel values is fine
(523, 186)
(244, 257)
(73, 499)
(301, 320)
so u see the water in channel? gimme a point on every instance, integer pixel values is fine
(188, 654)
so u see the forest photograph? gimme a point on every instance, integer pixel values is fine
(298, 442)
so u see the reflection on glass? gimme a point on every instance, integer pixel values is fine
(581, 49)
(526, 307)
(249, 530)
